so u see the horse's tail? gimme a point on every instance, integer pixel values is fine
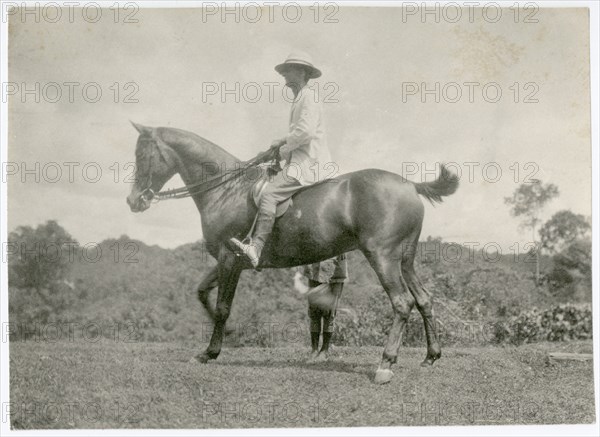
(445, 185)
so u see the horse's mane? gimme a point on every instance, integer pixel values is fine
(197, 149)
(194, 142)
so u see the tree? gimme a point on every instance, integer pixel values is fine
(39, 260)
(562, 229)
(527, 202)
(40, 257)
(572, 270)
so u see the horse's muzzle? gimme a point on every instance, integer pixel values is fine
(138, 203)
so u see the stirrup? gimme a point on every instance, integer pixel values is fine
(236, 244)
(242, 252)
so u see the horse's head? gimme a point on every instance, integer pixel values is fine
(155, 165)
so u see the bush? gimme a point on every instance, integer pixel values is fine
(571, 276)
(370, 328)
(150, 295)
(560, 323)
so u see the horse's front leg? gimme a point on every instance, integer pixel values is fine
(209, 282)
(230, 268)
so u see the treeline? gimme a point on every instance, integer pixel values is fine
(146, 293)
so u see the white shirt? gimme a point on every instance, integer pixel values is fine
(306, 146)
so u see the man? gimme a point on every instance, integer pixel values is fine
(322, 303)
(304, 149)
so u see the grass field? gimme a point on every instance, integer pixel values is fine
(154, 385)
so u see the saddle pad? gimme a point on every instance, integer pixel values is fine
(256, 191)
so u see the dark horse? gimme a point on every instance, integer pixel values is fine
(375, 211)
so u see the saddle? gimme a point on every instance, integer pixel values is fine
(254, 196)
(282, 207)
(256, 191)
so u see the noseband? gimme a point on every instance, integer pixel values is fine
(148, 194)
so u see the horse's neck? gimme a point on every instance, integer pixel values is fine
(196, 153)
(199, 160)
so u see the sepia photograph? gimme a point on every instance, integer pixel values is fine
(269, 218)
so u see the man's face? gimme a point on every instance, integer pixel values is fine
(293, 75)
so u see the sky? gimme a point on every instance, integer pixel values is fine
(376, 63)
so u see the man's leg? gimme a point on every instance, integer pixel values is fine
(340, 274)
(329, 318)
(314, 313)
(276, 190)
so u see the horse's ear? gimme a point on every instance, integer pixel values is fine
(141, 129)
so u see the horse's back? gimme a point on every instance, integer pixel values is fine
(360, 190)
(332, 216)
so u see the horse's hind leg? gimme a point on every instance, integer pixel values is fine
(388, 272)
(425, 307)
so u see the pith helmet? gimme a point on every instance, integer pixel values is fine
(300, 58)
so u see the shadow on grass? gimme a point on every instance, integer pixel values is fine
(328, 366)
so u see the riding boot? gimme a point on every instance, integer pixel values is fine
(264, 226)
(314, 341)
(326, 340)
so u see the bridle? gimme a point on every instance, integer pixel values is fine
(149, 195)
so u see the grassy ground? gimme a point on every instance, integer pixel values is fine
(153, 385)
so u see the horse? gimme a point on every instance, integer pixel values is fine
(375, 211)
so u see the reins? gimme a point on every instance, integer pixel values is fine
(214, 182)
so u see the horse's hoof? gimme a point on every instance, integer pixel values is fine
(383, 376)
(200, 358)
(428, 361)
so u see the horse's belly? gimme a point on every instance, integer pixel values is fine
(306, 235)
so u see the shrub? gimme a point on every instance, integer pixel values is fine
(559, 323)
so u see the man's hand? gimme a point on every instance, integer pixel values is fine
(277, 143)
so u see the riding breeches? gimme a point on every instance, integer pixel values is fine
(333, 270)
(278, 188)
